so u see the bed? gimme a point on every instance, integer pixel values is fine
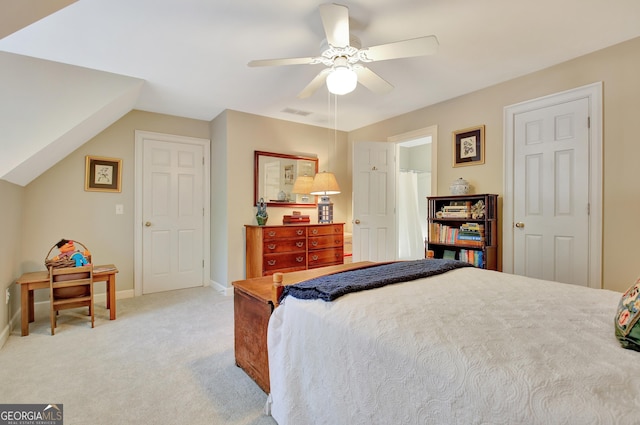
(468, 346)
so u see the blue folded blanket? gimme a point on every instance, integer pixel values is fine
(330, 287)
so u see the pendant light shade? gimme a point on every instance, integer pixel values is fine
(325, 184)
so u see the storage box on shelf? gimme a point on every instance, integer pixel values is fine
(464, 227)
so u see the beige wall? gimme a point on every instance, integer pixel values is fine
(244, 134)
(56, 205)
(617, 68)
(11, 221)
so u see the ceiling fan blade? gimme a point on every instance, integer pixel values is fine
(372, 81)
(335, 20)
(278, 62)
(402, 49)
(315, 84)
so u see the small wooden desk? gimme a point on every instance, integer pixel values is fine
(40, 280)
(253, 306)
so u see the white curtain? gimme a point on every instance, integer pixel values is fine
(410, 229)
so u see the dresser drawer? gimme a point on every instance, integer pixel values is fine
(320, 242)
(284, 245)
(283, 232)
(335, 229)
(326, 257)
(283, 261)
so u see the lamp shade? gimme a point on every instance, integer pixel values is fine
(325, 184)
(342, 80)
(302, 185)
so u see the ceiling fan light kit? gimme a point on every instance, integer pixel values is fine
(342, 80)
(343, 56)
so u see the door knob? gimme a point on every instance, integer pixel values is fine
(357, 221)
(519, 225)
(148, 224)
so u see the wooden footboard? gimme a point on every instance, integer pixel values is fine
(280, 280)
(254, 301)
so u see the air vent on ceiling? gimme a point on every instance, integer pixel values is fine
(296, 112)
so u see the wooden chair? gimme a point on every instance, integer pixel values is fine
(70, 287)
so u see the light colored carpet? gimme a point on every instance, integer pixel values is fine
(167, 359)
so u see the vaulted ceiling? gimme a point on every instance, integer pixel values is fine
(67, 75)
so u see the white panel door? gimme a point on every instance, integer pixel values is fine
(172, 209)
(374, 232)
(551, 204)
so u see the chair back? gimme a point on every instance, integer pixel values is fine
(65, 274)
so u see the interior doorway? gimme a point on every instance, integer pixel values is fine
(415, 181)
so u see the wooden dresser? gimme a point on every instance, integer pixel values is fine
(293, 247)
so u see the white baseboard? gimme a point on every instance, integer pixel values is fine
(223, 289)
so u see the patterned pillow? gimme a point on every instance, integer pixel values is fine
(627, 326)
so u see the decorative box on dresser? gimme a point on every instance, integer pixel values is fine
(288, 248)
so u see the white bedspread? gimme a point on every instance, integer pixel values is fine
(467, 347)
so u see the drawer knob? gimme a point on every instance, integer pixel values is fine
(299, 259)
(271, 246)
(314, 243)
(299, 232)
(314, 231)
(272, 233)
(300, 244)
(271, 262)
(314, 257)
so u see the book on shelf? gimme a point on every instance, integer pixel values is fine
(449, 254)
(472, 256)
(472, 227)
(442, 233)
(446, 214)
(470, 237)
(456, 210)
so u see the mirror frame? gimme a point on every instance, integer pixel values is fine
(256, 179)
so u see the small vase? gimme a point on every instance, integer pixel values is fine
(262, 215)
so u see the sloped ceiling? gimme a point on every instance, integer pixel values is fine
(71, 74)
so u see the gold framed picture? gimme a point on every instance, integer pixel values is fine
(102, 174)
(468, 146)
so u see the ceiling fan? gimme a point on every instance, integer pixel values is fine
(344, 56)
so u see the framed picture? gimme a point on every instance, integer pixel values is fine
(102, 174)
(288, 174)
(468, 146)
